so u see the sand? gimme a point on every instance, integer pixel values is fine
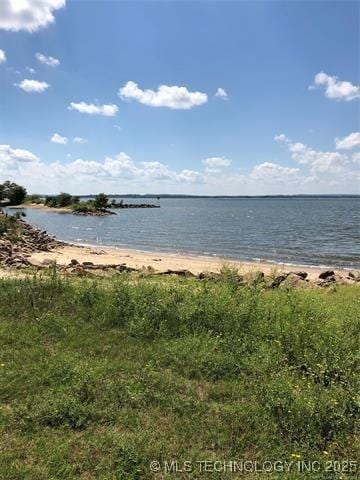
(40, 206)
(160, 261)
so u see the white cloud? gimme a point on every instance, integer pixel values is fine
(31, 70)
(106, 110)
(215, 164)
(356, 157)
(270, 172)
(80, 140)
(33, 86)
(317, 160)
(56, 138)
(221, 93)
(166, 96)
(10, 158)
(2, 56)
(49, 61)
(317, 172)
(189, 176)
(281, 138)
(28, 15)
(336, 89)
(349, 142)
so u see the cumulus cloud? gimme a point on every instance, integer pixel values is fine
(172, 97)
(270, 172)
(349, 142)
(33, 86)
(281, 138)
(221, 93)
(80, 140)
(215, 164)
(317, 160)
(2, 56)
(356, 157)
(336, 89)
(49, 61)
(56, 138)
(190, 176)
(31, 70)
(22, 165)
(109, 110)
(28, 15)
(10, 157)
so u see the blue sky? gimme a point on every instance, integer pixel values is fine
(286, 120)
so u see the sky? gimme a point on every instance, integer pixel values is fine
(192, 97)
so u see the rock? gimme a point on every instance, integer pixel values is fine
(327, 274)
(88, 264)
(327, 281)
(293, 280)
(302, 275)
(278, 280)
(181, 273)
(48, 261)
(73, 261)
(208, 276)
(354, 276)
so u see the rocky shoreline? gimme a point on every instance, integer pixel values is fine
(16, 252)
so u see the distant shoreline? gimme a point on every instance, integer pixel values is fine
(184, 196)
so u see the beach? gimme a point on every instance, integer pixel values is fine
(161, 261)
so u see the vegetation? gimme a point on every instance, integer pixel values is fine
(13, 193)
(61, 200)
(101, 201)
(34, 198)
(65, 200)
(102, 376)
(7, 224)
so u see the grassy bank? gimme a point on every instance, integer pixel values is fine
(101, 377)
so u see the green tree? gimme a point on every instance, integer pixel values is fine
(64, 199)
(101, 201)
(15, 193)
(50, 201)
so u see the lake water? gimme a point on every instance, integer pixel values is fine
(309, 231)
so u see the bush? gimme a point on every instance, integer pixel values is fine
(64, 200)
(34, 198)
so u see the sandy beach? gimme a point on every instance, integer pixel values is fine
(41, 206)
(160, 261)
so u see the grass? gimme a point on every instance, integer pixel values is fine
(99, 377)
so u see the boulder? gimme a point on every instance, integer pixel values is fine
(278, 280)
(302, 275)
(293, 280)
(354, 276)
(327, 274)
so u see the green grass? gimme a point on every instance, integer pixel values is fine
(99, 377)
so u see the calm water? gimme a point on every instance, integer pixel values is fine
(320, 231)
